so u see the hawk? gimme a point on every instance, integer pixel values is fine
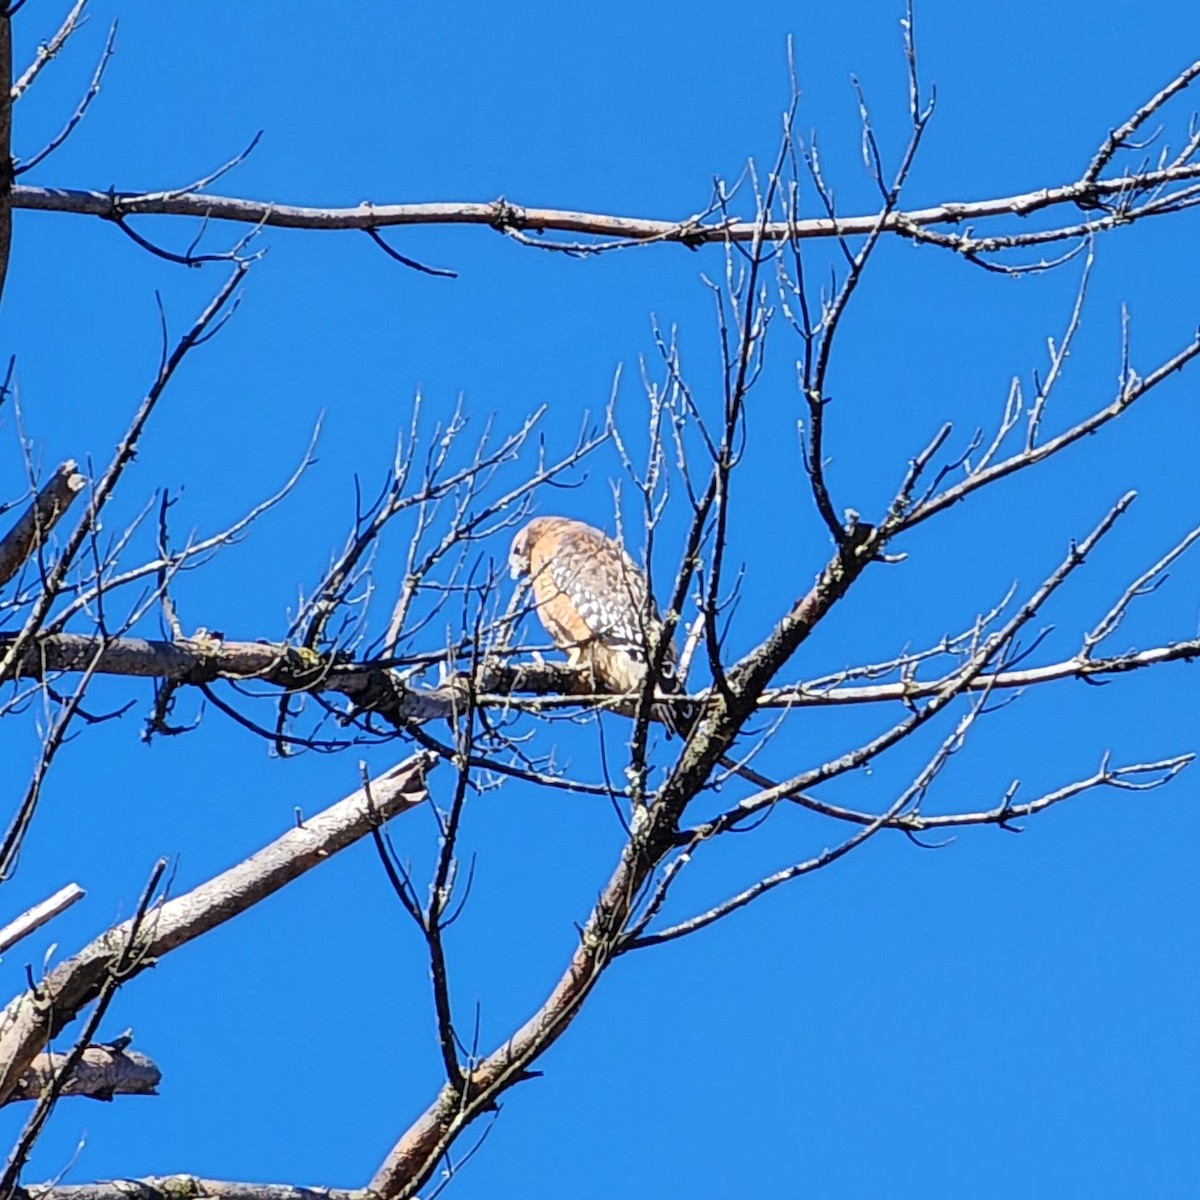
(592, 598)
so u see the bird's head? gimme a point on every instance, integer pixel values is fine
(518, 554)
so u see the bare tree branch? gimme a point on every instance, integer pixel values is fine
(1133, 388)
(353, 683)
(32, 1018)
(1078, 667)
(6, 162)
(180, 1187)
(124, 961)
(533, 687)
(1130, 778)
(991, 649)
(203, 327)
(48, 50)
(1120, 136)
(102, 1072)
(80, 109)
(509, 218)
(29, 534)
(40, 914)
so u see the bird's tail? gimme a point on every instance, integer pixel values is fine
(678, 716)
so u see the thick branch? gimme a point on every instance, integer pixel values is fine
(205, 659)
(102, 1072)
(182, 1187)
(29, 534)
(414, 1157)
(32, 1018)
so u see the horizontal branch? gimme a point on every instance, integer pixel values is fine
(506, 217)
(1077, 667)
(530, 686)
(1134, 777)
(182, 1187)
(103, 1071)
(205, 659)
(35, 1016)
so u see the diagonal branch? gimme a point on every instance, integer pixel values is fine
(48, 50)
(33, 1017)
(1121, 135)
(80, 112)
(949, 689)
(34, 918)
(1133, 389)
(203, 328)
(414, 1158)
(29, 534)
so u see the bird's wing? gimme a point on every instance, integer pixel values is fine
(605, 588)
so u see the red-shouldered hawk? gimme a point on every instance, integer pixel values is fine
(591, 597)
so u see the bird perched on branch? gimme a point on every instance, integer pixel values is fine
(593, 600)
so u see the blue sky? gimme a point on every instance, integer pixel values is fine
(1008, 1015)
